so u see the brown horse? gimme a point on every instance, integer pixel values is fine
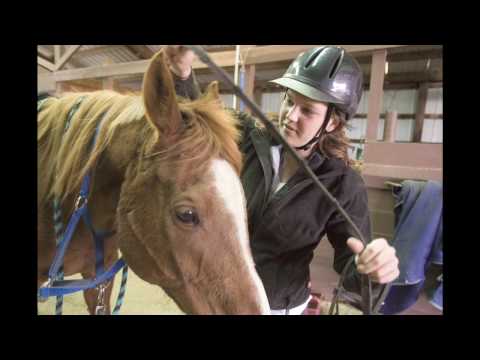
(166, 179)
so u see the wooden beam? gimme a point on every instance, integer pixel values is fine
(257, 96)
(266, 54)
(406, 56)
(57, 51)
(407, 154)
(62, 88)
(249, 83)
(99, 50)
(403, 172)
(45, 53)
(402, 116)
(390, 126)
(50, 56)
(45, 83)
(120, 69)
(417, 77)
(375, 97)
(68, 54)
(422, 96)
(256, 55)
(141, 51)
(88, 85)
(411, 161)
(274, 53)
(249, 80)
(45, 63)
(108, 84)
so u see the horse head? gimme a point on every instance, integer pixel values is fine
(182, 216)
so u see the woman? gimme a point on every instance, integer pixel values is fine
(287, 214)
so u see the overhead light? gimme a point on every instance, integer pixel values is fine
(386, 67)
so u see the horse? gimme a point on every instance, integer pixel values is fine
(166, 180)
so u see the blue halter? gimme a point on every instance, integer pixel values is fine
(56, 286)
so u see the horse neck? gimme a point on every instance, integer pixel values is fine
(109, 174)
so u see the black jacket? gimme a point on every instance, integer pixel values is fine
(286, 228)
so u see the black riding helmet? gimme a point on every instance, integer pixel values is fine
(328, 74)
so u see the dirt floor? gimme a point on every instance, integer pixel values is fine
(142, 298)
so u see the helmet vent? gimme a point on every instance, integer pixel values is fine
(336, 66)
(313, 57)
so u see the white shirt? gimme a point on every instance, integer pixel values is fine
(277, 159)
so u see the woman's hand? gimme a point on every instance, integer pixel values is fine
(180, 60)
(378, 261)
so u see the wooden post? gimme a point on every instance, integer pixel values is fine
(422, 96)
(249, 84)
(108, 84)
(390, 126)
(57, 53)
(375, 97)
(257, 96)
(61, 88)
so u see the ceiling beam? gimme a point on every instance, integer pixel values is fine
(272, 53)
(120, 69)
(66, 56)
(404, 56)
(141, 51)
(45, 83)
(45, 53)
(50, 56)
(255, 55)
(57, 53)
(99, 50)
(45, 63)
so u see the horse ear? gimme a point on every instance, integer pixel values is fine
(212, 91)
(159, 97)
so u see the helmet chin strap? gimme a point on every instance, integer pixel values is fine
(320, 131)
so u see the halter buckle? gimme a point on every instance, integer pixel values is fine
(100, 308)
(46, 284)
(80, 202)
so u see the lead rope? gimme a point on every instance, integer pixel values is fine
(57, 214)
(121, 293)
(58, 224)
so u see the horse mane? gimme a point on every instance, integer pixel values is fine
(209, 131)
(65, 156)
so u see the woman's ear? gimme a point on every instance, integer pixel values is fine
(333, 124)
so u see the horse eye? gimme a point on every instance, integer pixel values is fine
(188, 217)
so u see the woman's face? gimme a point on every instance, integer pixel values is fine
(301, 118)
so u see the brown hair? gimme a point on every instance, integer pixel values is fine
(336, 143)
